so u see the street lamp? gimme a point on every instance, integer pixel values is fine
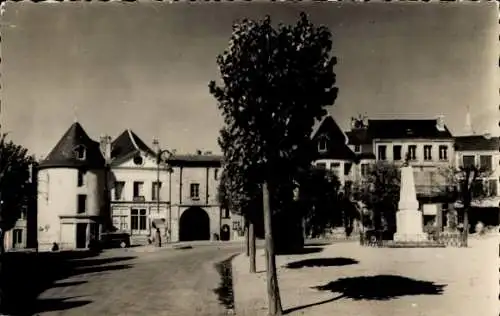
(159, 155)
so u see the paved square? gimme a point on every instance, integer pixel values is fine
(355, 280)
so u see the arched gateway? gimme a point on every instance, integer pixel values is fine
(194, 224)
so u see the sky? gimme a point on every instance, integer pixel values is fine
(146, 66)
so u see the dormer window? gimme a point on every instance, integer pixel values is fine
(80, 152)
(322, 144)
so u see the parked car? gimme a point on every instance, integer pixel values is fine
(115, 239)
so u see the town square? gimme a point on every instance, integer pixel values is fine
(249, 159)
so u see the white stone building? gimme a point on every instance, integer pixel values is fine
(71, 192)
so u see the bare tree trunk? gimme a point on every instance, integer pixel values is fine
(251, 244)
(273, 293)
(247, 238)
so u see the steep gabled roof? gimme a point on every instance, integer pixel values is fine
(126, 146)
(63, 155)
(336, 139)
(358, 136)
(400, 129)
(477, 143)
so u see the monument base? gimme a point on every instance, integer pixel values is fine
(401, 237)
(409, 224)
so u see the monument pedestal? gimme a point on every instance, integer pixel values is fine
(409, 220)
(409, 226)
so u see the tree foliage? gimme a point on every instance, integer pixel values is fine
(319, 200)
(380, 192)
(275, 82)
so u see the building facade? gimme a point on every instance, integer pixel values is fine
(177, 195)
(482, 151)
(333, 152)
(71, 193)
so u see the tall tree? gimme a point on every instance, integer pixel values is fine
(275, 82)
(243, 197)
(318, 199)
(379, 191)
(469, 180)
(16, 191)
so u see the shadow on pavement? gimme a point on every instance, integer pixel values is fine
(24, 276)
(321, 262)
(302, 251)
(58, 304)
(379, 287)
(225, 290)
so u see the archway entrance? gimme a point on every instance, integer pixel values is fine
(194, 224)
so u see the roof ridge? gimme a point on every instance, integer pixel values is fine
(132, 139)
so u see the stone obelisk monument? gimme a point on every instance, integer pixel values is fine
(409, 222)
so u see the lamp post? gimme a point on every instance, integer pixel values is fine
(159, 155)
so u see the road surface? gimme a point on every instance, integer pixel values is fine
(130, 282)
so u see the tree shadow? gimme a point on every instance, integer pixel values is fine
(378, 287)
(25, 276)
(321, 262)
(58, 304)
(302, 251)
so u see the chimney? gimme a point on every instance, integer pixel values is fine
(440, 123)
(156, 144)
(105, 145)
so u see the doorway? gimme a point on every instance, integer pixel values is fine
(81, 235)
(225, 232)
(194, 224)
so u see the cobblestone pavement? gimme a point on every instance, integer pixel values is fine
(127, 282)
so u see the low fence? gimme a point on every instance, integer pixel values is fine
(383, 239)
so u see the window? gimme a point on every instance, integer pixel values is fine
(18, 236)
(139, 219)
(156, 191)
(485, 162)
(195, 191)
(412, 152)
(357, 148)
(81, 176)
(492, 187)
(225, 213)
(216, 174)
(322, 144)
(321, 165)
(347, 168)
(468, 161)
(443, 152)
(382, 154)
(80, 152)
(120, 222)
(364, 169)
(396, 151)
(428, 152)
(138, 189)
(119, 185)
(82, 204)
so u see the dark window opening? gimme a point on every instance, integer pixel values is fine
(397, 152)
(82, 203)
(195, 191)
